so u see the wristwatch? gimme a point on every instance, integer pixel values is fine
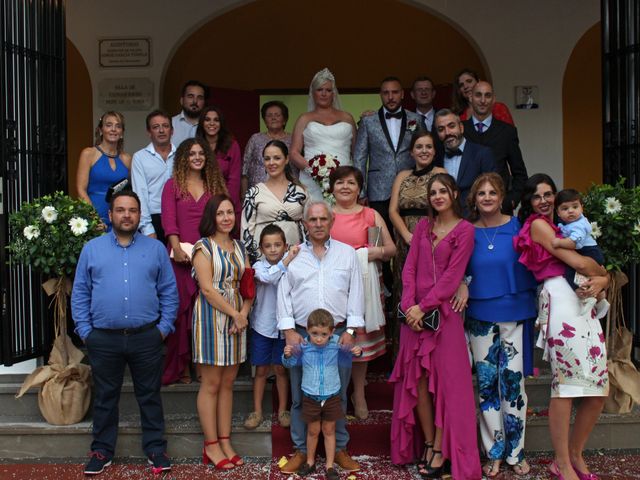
(351, 331)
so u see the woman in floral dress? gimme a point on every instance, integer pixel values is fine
(573, 341)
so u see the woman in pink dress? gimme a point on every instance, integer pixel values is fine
(196, 178)
(572, 339)
(351, 226)
(432, 374)
(213, 128)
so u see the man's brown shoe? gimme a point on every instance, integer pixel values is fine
(345, 461)
(295, 462)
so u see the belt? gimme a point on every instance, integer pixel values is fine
(129, 331)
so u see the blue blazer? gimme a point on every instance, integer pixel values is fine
(476, 159)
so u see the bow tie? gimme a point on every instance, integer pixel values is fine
(453, 153)
(397, 115)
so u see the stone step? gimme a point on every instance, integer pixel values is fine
(31, 437)
(176, 398)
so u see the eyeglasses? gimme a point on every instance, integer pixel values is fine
(546, 196)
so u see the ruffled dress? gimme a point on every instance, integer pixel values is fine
(441, 357)
(573, 342)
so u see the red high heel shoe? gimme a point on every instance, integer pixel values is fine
(222, 464)
(236, 460)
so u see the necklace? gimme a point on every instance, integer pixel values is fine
(110, 155)
(490, 242)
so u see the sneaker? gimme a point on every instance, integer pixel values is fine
(295, 462)
(332, 474)
(346, 463)
(253, 421)
(96, 464)
(285, 419)
(159, 463)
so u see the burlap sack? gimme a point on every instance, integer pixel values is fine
(624, 378)
(65, 390)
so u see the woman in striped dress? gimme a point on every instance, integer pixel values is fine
(219, 327)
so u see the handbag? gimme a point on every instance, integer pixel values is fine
(123, 184)
(430, 320)
(248, 284)
(624, 378)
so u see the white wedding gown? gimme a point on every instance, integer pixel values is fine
(332, 139)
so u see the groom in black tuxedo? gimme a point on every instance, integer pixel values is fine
(463, 159)
(502, 139)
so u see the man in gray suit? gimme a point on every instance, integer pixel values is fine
(382, 146)
(382, 150)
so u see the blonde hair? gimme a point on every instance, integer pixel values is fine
(98, 131)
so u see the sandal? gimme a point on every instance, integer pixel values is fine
(425, 459)
(236, 459)
(492, 467)
(521, 468)
(185, 379)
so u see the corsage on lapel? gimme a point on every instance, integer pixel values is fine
(412, 125)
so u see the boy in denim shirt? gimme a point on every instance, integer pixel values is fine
(319, 357)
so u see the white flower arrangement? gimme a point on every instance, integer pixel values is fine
(48, 233)
(614, 213)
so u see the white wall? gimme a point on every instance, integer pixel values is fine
(524, 42)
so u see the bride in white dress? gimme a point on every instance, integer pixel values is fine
(323, 129)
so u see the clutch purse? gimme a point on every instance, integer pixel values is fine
(186, 247)
(373, 236)
(430, 320)
(248, 284)
(116, 187)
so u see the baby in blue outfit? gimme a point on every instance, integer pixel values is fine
(577, 235)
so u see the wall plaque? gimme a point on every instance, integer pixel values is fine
(125, 94)
(125, 52)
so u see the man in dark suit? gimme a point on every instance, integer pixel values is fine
(502, 139)
(463, 159)
(423, 92)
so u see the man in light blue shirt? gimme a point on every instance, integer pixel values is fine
(124, 303)
(325, 274)
(192, 99)
(150, 169)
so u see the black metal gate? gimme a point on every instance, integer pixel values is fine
(33, 150)
(621, 102)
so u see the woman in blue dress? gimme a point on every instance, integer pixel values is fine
(103, 165)
(499, 323)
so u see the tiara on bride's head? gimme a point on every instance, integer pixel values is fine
(319, 78)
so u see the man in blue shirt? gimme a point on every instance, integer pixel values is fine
(124, 304)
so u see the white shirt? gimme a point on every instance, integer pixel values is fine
(149, 173)
(428, 118)
(452, 165)
(263, 313)
(486, 122)
(393, 126)
(182, 129)
(333, 283)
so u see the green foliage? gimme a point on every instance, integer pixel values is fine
(48, 233)
(614, 213)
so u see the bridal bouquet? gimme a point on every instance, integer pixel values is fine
(320, 167)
